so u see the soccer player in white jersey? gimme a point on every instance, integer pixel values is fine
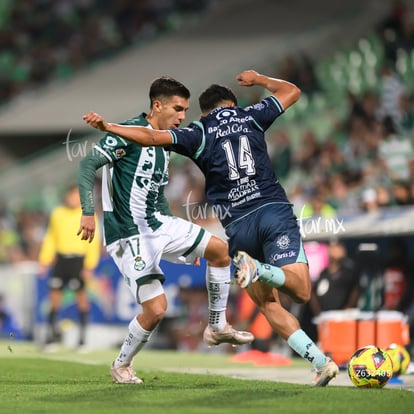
(139, 229)
(228, 145)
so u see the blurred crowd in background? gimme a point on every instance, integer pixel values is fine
(45, 39)
(364, 163)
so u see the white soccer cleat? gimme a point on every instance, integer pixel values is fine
(228, 335)
(325, 373)
(246, 269)
(124, 375)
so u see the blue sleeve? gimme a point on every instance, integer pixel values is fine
(265, 112)
(188, 141)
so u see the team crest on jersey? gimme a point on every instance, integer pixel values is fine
(139, 263)
(283, 242)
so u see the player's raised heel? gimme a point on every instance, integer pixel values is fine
(325, 373)
(229, 335)
(124, 375)
(246, 269)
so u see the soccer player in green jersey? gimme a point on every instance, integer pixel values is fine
(139, 229)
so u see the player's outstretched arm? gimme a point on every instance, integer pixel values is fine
(287, 93)
(140, 135)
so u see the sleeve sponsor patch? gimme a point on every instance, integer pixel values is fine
(119, 153)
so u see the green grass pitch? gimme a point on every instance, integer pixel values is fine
(66, 382)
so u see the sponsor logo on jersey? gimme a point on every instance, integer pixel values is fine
(109, 142)
(225, 113)
(147, 165)
(242, 190)
(259, 106)
(286, 255)
(119, 153)
(225, 130)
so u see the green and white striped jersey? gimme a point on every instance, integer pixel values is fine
(132, 186)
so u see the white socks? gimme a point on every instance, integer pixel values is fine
(135, 340)
(218, 288)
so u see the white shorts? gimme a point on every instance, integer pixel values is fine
(138, 257)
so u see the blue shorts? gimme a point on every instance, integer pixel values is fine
(270, 234)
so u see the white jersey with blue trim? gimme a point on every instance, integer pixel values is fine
(229, 147)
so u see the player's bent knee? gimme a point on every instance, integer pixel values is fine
(153, 311)
(298, 282)
(303, 297)
(157, 314)
(301, 294)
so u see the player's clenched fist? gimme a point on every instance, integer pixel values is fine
(95, 120)
(247, 78)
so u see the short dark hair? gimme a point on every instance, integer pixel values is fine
(166, 87)
(213, 95)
